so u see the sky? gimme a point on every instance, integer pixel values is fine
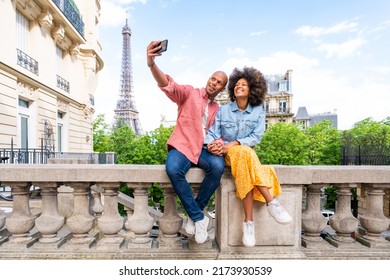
(338, 51)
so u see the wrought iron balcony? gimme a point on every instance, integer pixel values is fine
(63, 84)
(27, 62)
(69, 9)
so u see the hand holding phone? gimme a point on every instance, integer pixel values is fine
(164, 46)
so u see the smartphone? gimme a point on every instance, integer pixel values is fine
(164, 46)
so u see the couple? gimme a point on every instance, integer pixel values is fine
(209, 137)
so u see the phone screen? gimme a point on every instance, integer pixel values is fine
(164, 46)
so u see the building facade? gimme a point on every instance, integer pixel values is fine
(304, 120)
(49, 65)
(278, 105)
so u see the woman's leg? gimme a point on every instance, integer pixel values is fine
(247, 203)
(265, 193)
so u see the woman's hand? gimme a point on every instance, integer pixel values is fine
(216, 148)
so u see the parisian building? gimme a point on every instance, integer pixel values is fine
(49, 64)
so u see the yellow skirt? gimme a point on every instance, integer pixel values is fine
(248, 172)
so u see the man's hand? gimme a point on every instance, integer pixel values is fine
(216, 148)
(151, 52)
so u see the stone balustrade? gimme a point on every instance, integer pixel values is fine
(84, 223)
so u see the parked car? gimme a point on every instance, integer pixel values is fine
(212, 213)
(327, 214)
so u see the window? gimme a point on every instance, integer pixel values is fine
(26, 120)
(22, 31)
(23, 131)
(282, 106)
(61, 132)
(283, 86)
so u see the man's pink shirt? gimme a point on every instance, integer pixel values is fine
(187, 136)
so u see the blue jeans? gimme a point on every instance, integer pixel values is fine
(177, 166)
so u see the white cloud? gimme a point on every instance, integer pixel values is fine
(315, 31)
(236, 51)
(258, 33)
(115, 12)
(346, 49)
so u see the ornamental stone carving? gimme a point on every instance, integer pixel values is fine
(45, 19)
(74, 49)
(62, 106)
(58, 33)
(27, 91)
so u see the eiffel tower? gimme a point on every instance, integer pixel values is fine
(126, 110)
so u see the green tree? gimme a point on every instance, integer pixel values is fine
(122, 143)
(283, 144)
(372, 137)
(324, 144)
(101, 134)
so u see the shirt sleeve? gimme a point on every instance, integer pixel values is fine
(214, 131)
(255, 137)
(177, 93)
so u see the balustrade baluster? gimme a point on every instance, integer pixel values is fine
(110, 223)
(141, 223)
(21, 220)
(128, 234)
(343, 221)
(312, 220)
(96, 203)
(81, 221)
(50, 221)
(170, 223)
(374, 222)
(2, 221)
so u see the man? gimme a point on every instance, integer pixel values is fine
(196, 113)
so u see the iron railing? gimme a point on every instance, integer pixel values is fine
(70, 11)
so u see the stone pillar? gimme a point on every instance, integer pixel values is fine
(2, 220)
(374, 222)
(141, 223)
(343, 222)
(128, 234)
(312, 220)
(81, 221)
(110, 223)
(170, 223)
(96, 203)
(50, 221)
(21, 220)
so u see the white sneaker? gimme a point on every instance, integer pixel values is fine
(278, 213)
(190, 226)
(201, 230)
(248, 236)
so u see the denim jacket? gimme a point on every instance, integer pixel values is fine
(231, 124)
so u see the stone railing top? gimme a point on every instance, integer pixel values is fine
(156, 173)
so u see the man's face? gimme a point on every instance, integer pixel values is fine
(215, 84)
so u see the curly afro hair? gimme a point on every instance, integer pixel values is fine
(256, 82)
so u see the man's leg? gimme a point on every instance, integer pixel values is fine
(177, 166)
(214, 167)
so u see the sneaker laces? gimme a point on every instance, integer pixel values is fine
(250, 228)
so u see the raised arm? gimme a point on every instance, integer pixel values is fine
(158, 75)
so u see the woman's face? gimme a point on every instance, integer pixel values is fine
(241, 89)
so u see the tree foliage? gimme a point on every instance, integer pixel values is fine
(324, 144)
(283, 144)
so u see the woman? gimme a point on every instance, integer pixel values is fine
(238, 127)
